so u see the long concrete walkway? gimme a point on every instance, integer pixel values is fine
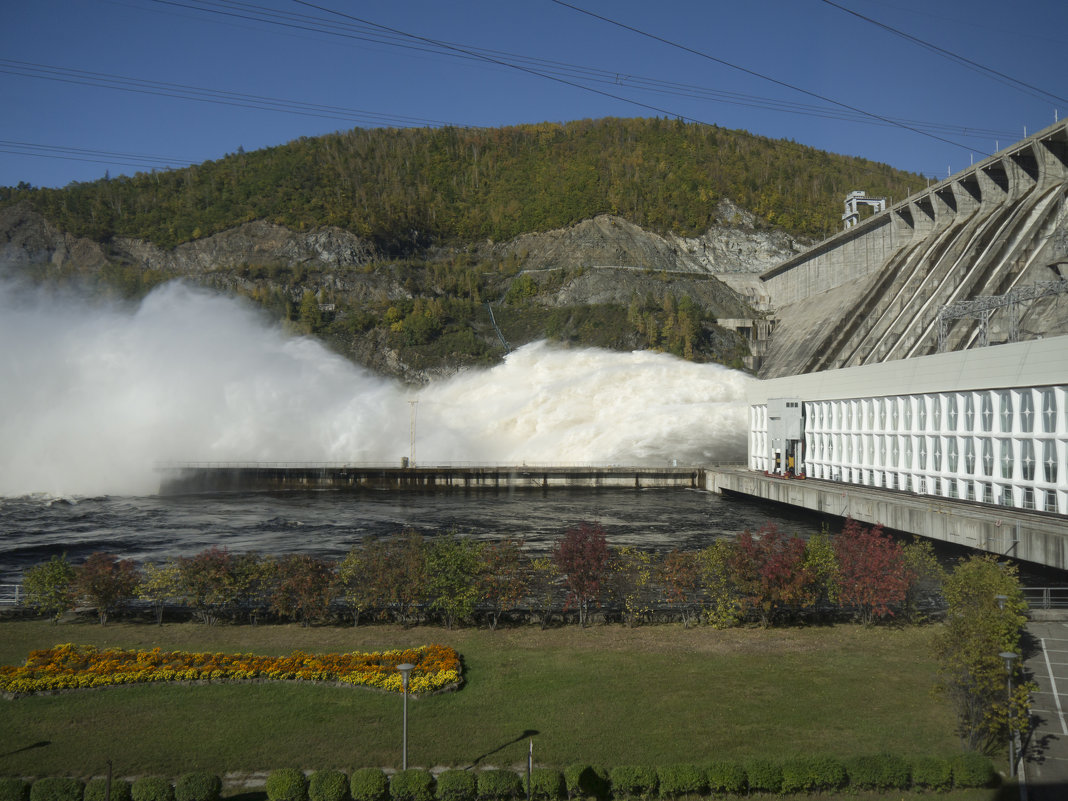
(1045, 764)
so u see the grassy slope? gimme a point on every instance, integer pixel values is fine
(605, 695)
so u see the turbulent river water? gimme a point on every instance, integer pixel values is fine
(34, 528)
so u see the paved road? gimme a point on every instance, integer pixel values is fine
(1045, 765)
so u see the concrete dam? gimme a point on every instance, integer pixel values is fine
(993, 236)
(917, 370)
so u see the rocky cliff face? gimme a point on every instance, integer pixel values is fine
(605, 261)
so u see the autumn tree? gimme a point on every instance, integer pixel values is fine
(49, 587)
(717, 566)
(544, 587)
(453, 565)
(769, 573)
(253, 579)
(582, 556)
(207, 583)
(105, 582)
(503, 581)
(399, 571)
(679, 575)
(302, 587)
(159, 585)
(629, 576)
(821, 565)
(354, 580)
(873, 577)
(985, 615)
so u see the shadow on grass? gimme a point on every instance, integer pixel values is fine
(525, 735)
(38, 744)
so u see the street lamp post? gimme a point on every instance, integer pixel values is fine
(405, 670)
(1009, 657)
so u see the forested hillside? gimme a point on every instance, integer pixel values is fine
(405, 189)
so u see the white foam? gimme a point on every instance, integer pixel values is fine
(92, 397)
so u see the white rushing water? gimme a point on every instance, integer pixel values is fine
(92, 397)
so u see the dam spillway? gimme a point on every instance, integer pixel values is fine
(202, 477)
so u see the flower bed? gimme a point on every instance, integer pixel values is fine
(71, 666)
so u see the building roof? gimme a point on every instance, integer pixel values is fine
(1035, 363)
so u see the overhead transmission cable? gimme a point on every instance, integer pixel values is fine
(365, 30)
(755, 74)
(1001, 77)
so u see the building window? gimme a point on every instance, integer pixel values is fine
(908, 414)
(1004, 495)
(1006, 458)
(988, 493)
(1006, 412)
(951, 412)
(952, 493)
(937, 448)
(1049, 411)
(921, 412)
(1049, 461)
(1028, 498)
(894, 451)
(923, 452)
(1027, 459)
(971, 490)
(988, 456)
(936, 412)
(951, 447)
(908, 453)
(1051, 501)
(988, 412)
(1027, 411)
(894, 403)
(969, 456)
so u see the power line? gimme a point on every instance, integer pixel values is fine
(1001, 77)
(755, 74)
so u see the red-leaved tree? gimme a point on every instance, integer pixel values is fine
(302, 587)
(582, 558)
(768, 571)
(873, 574)
(105, 582)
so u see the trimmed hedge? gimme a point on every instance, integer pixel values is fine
(287, 784)
(414, 784)
(972, 770)
(932, 773)
(879, 772)
(12, 789)
(498, 785)
(727, 778)
(327, 785)
(197, 786)
(152, 788)
(676, 780)
(97, 790)
(633, 781)
(764, 776)
(546, 784)
(810, 774)
(57, 788)
(455, 785)
(586, 781)
(369, 784)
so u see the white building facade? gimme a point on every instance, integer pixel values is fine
(988, 425)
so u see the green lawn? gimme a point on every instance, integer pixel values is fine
(604, 695)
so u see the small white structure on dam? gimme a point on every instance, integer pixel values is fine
(988, 425)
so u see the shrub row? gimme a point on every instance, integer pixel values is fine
(798, 775)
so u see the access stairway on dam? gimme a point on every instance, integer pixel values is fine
(873, 293)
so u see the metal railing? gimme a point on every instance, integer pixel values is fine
(10, 594)
(1046, 597)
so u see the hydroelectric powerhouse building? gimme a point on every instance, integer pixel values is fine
(882, 398)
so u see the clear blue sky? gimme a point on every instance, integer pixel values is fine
(317, 71)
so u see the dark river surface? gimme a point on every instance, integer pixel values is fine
(327, 524)
(33, 529)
